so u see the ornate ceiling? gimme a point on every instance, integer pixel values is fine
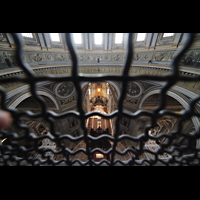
(41, 50)
(52, 58)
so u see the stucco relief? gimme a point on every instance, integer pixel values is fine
(107, 57)
(171, 56)
(101, 57)
(36, 57)
(147, 56)
(65, 89)
(132, 89)
(90, 57)
(49, 57)
(159, 56)
(61, 57)
(116, 57)
(81, 57)
(137, 56)
(191, 58)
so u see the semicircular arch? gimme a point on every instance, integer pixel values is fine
(26, 95)
(181, 100)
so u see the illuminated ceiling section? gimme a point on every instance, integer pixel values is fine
(28, 35)
(98, 38)
(140, 37)
(55, 37)
(168, 34)
(77, 38)
(118, 38)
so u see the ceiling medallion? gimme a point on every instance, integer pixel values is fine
(64, 89)
(133, 89)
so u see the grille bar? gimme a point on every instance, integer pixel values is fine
(76, 78)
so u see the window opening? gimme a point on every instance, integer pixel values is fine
(98, 38)
(55, 37)
(118, 38)
(168, 34)
(140, 36)
(28, 35)
(77, 38)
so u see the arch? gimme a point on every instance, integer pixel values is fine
(182, 101)
(21, 98)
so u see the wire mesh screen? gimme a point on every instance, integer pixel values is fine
(8, 150)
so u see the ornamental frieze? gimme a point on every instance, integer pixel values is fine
(61, 57)
(191, 58)
(49, 57)
(94, 69)
(35, 57)
(159, 56)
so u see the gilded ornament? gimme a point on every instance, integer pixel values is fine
(89, 57)
(65, 89)
(49, 57)
(81, 57)
(60, 57)
(116, 57)
(132, 89)
(37, 57)
(146, 56)
(107, 57)
(159, 56)
(137, 56)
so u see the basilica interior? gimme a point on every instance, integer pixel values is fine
(101, 53)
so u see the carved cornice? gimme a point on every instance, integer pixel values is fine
(65, 70)
(93, 68)
(45, 57)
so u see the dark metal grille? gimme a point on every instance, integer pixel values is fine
(7, 158)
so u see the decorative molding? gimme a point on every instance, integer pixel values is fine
(24, 96)
(159, 56)
(36, 57)
(64, 90)
(147, 56)
(49, 57)
(191, 58)
(134, 90)
(108, 69)
(181, 100)
(61, 57)
(93, 69)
